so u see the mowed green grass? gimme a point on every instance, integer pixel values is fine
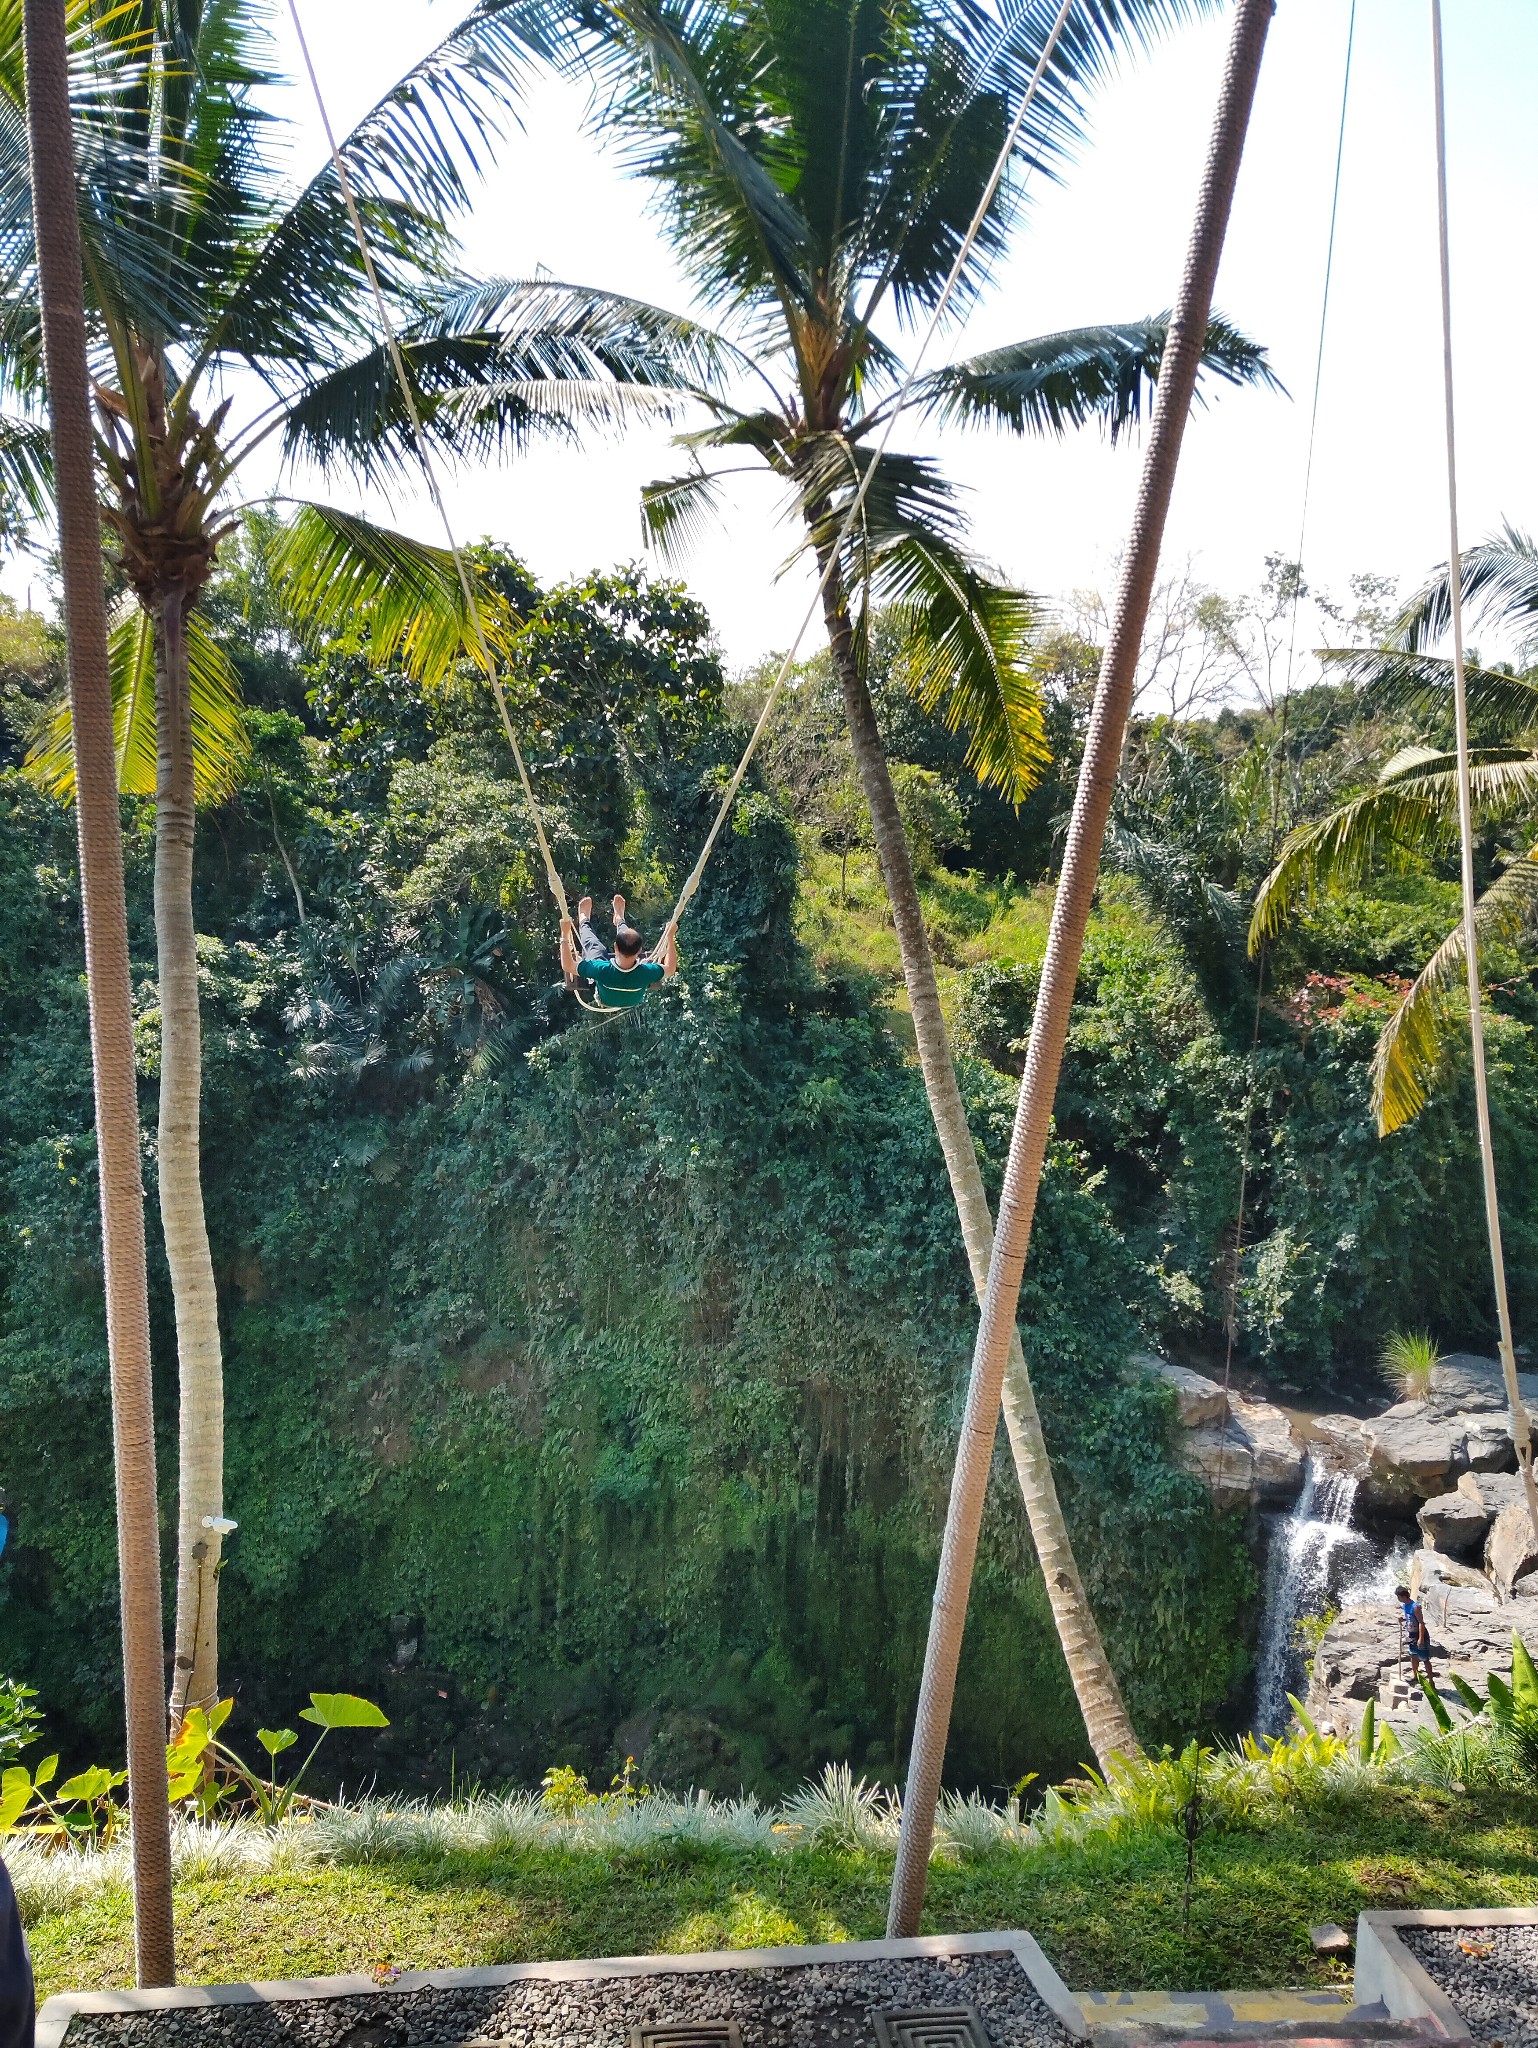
(1110, 1918)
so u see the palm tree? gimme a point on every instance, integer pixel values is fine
(1098, 772)
(816, 167)
(227, 312)
(108, 977)
(1410, 814)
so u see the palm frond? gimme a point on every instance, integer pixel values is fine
(494, 362)
(1387, 830)
(219, 739)
(26, 468)
(341, 574)
(969, 656)
(1412, 1050)
(1060, 381)
(1414, 685)
(689, 94)
(677, 510)
(1499, 581)
(954, 76)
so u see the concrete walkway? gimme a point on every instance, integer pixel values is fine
(1130, 2019)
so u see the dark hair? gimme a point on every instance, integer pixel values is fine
(627, 940)
(1401, 1592)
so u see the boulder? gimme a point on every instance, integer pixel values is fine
(1455, 1522)
(1248, 1460)
(1444, 1586)
(1416, 1451)
(1510, 1549)
(1360, 1655)
(1413, 1453)
(1197, 1399)
(1467, 1384)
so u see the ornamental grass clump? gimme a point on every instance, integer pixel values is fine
(1409, 1361)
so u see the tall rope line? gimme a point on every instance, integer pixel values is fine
(1520, 1430)
(1231, 1303)
(429, 470)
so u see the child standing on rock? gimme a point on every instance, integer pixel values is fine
(1417, 1636)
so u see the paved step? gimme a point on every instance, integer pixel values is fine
(1129, 2019)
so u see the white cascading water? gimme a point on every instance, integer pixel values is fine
(1303, 1561)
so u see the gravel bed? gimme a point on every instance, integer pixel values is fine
(1496, 1994)
(824, 2005)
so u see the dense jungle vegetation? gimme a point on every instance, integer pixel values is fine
(592, 1385)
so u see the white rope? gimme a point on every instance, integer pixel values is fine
(424, 455)
(1521, 1433)
(974, 229)
(429, 471)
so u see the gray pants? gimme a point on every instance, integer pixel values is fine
(593, 947)
(16, 1998)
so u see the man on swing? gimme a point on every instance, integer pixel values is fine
(623, 981)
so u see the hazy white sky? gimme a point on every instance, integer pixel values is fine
(1106, 244)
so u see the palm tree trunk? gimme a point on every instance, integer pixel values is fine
(195, 1682)
(1060, 968)
(1106, 1720)
(108, 982)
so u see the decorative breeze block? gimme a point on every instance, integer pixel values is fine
(935, 2026)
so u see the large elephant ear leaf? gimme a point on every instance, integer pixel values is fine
(969, 656)
(343, 1710)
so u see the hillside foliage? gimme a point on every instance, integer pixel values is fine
(592, 1385)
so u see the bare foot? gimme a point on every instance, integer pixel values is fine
(585, 907)
(619, 910)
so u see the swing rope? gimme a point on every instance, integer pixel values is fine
(1246, 1149)
(1520, 1429)
(430, 478)
(834, 553)
(862, 492)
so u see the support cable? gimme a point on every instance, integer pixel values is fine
(1231, 1291)
(1520, 1429)
(429, 470)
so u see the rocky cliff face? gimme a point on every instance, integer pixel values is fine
(1361, 1657)
(1419, 1450)
(1244, 1452)
(1445, 1468)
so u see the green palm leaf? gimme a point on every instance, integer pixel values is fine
(1500, 580)
(492, 363)
(1411, 814)
(1413, 685)
(340, 574)
(1066, 380)
(676, 511)
(969, 656)
(219, 740)
(1412, 1050)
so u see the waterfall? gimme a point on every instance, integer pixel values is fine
(1302, 1575)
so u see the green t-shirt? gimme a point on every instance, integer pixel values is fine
(621, 988)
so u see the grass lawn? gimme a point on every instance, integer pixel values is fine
(1109, 1918)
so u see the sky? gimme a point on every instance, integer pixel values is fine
(1107, 243)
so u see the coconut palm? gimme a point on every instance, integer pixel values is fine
(61, 308)
(227, 314)
(1410, 814)
(816, 164)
